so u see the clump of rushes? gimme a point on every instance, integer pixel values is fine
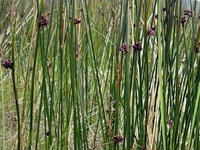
(77, 21)
(123, 47)
(8, 64)
(117, 139)
(137, 46)
(151, 31)
(43, 21)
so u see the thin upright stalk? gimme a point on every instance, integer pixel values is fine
(13, 76)
(160, 76)
(32, 92)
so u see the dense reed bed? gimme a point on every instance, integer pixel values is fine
(96, 74)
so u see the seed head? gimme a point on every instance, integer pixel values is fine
(187, 12)
(151, 31)
(117, 139)
(47, 133)
(156, 16)
(170, 122)
(77, 21)
(43, 21)
(196, 49)
(183, 20)
(137, 46)
(8, 64)
(164, 9)
(123, 47)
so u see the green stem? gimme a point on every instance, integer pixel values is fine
(160, 76)
(13, 80)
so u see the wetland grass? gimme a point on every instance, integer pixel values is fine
(83, 74)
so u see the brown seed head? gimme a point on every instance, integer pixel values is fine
(123, 47)
(151, 31)
(137, 46)
(187, 12)
(183, 20)
(43, 21)
(117, 139)
(8, 64)
(77, 21)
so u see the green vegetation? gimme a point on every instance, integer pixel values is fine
(97, 74)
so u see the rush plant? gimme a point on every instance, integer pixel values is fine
(97, 74)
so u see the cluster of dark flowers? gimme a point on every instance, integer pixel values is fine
(137, 47)
(43, 21)
(156, 16)
(117, 139)
(7, 64)
(196, 48)
(188, 13)
(170, 122)
(47, 133)
(77, 21)
(151, 31)
(123, 47)
(183, 20)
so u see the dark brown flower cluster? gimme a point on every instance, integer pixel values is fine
(183, 20)
(156, 16)
(43, 21)
(8, 64)
(170, 122)
(196, 49)
(151, 31)
(77, 21)
(187, 12)
(137, 46)
(47, 133)
(117, 139)
(123, 47)
(164, 9)
(196, 45)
